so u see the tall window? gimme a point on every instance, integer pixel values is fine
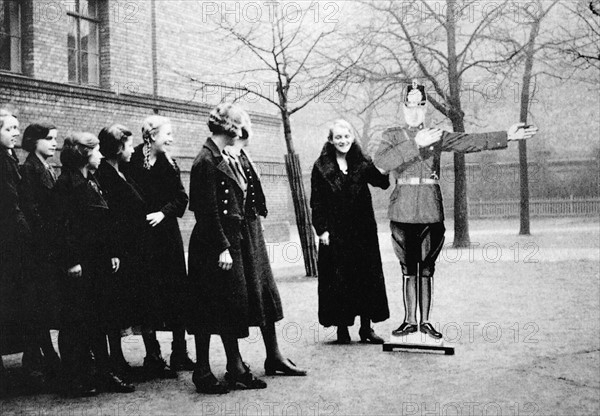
(84, 49)
(10, 35)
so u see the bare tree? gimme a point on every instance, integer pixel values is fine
(291, 54)
(582, 34)
(532, 48)
(548, 51)
(439, 45)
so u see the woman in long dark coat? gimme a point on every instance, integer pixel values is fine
(262, 290)
(164, 292)
(223, 303)
(351, 279)
(41, 271)
(14, 232)
(128, 210)
(89, 256)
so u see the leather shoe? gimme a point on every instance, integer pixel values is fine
(208, 384)
(285, 368)
(120, 366)
(156, 367)
(244, 381)
(181, 362)
(369, 335)
(113, 383)
(79, 389)
(405, 329)
(428, 329)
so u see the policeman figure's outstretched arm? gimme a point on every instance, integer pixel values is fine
(472, 142)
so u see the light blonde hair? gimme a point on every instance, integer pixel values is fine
(340, 122)
(7, 110)
(150, 127)
(227, 118)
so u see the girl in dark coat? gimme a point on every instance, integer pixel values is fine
(351, 279)
(41, 272)
(89, 256)
(128, 210)
(223, 302)
(14, 232)
(262, 289)
(164, 293)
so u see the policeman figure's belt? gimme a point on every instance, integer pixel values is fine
(417, 181)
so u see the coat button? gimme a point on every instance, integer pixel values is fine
(225, 201)
(226, 191)
(223, 183)
(225, 212)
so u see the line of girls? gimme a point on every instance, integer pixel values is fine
(99, 250)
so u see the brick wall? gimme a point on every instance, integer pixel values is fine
(186, 47)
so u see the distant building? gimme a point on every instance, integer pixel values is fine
(84, 64)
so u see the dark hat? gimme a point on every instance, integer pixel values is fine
(415, 94)
(33, 133)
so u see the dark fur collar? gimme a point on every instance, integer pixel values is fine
(358, 164)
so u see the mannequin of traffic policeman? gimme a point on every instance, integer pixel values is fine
(416, 210)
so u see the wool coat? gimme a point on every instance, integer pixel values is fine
(130, 231)
(36, 191)
(165, 291)
(14, 233)
(351, 278)
(217, 199)
(264, 299)
(85, 237)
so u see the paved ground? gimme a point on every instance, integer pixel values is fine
(522, 312)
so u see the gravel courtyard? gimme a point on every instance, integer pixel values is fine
(523, 313)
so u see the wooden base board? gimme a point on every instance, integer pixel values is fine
(417, 341)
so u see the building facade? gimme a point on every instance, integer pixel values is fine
(85, 64)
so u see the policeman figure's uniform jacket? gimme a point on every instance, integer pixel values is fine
(417, 198)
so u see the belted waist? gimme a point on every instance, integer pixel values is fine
(417, 181)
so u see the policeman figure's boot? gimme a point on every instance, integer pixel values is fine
(425, 296)
(409, 325)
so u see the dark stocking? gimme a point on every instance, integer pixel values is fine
(151, 343)
(271, 346)
(45, 341)
(100, 350)
(116, 349)
(202, 352)
(179, 346)
(365, 323)
(235, 365)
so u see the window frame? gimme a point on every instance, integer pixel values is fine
(94, 21)
(16, 62)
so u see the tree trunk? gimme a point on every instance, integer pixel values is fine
(461, 209)
(523, 173)
(303, 220)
